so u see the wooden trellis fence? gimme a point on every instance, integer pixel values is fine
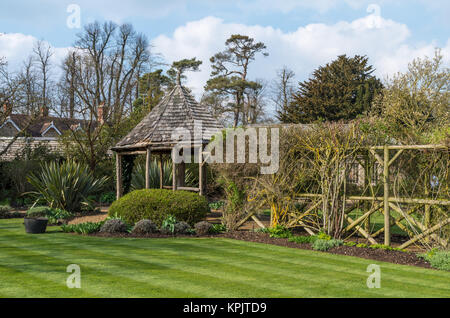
(385, 204)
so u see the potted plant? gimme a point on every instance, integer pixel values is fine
(36, 220)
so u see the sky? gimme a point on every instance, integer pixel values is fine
(299, 34)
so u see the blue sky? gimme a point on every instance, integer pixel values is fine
(299, 34)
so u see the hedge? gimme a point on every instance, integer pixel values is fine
(157, 204)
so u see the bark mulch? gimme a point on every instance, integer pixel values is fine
(396, 257)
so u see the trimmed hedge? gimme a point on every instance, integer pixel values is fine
(157, 204)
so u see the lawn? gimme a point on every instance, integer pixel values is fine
(35, 266)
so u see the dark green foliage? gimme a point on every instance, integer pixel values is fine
(113, 226)
(138, 176)
(340, 90)
(38, 212)
(303, 239)
(65, 185)
(5, 213)
(107, 197)
(151, 89)
(157, 204)
(168, 225)
(218, 228)
(13, 174)
(127, 172)
(279, 232)
(179, 67)
(229, 75)
(203, 228)
(54, 215)
(82, 228)
(144, 227)
(216, 205)
(325, 245)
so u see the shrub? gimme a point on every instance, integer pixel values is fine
(437, 259)
(4, 209)
(168, 225)
(66, 186)
(218, 228)
(181, 228)
(325, 245)
(303, 239)
(384, 247)
(157, 204)
(323, 236)
(279, 231)
(216, 205)
(5, 213)
(350, 243)
(82, 228)
(53, 215)
(361, 245)
(108, 197)
(203, 228)
(38, 212)
(144, 227)
(113, 226)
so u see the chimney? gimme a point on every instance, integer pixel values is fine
(101, 112)
(7, 109)
(44, 111)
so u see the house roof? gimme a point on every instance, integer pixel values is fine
(41, 125)
(178, 109)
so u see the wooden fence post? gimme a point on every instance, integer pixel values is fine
(147, 169)
(387, 227)
(161, 172)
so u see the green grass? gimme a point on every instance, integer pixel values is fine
(35, 266)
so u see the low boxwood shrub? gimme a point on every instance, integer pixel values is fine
(157, 204)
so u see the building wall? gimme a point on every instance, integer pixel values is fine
(21, 142)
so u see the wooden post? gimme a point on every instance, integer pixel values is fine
(387, 227)
(181, 174)
(118, 175)
(174, 175)
(367, 184)
(427, 206)
(161, 171)
(147, 169)
(200, 171)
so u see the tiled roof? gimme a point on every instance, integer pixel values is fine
(40, 124)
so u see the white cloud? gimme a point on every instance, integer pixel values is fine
(17, 47)
(385, 42)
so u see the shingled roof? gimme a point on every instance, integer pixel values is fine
(178, 109)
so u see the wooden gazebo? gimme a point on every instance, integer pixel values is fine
(153, 136)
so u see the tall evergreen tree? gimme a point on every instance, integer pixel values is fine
(340, 90)
(229, 74)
